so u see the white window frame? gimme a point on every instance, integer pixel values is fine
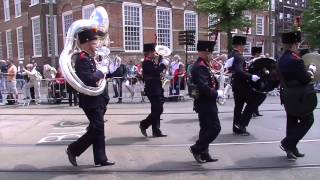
(6, 10)
(34, 2)
(248, 45)
(48, 1)
(196, 29)
(64, 30)
(170, 29)
(262, 28)
(140, 26)
(1, 47)
(84, 8)
(273, 33)
(55, 34)
(20, 53)
(212, 38)
(9, 45)
(17, 8)
(33, 35)
(260, 44)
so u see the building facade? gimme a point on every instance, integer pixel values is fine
(25, 33)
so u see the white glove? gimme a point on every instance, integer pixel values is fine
(165, 62)
(255, 78)
(103, 69)
(312, 68)
(220, 93)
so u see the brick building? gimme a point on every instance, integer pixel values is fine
(25, 28)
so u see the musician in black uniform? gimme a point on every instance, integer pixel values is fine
(152, 69)
(93, 106)
(241, 90)
(205, 103)
(256, 53)
(294, 74)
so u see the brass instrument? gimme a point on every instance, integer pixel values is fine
(314, 59)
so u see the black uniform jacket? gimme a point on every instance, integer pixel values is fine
(293, 71)
(207, 86)
(86, 70)
(239, 75)
(152, 77)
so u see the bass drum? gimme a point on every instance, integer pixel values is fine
(266, 69)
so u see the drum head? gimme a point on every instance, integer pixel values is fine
(266, 69)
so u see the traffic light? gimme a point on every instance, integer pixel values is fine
(187, 37)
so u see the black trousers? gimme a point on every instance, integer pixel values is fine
(154, 117)
(209, 130)
(297, 128)
(94, 136)
(243, 113)
(72, 95)
(117, 87)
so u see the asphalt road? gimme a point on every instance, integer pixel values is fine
(33, 141)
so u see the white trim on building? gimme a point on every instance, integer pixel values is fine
(67, 20)
(163, 27)
(191, 23)
(132, 27)
(20, 45)
(9, 44)
(6, 9)
(259, 25)
(49, 49)
(36, 36)
(17, 8)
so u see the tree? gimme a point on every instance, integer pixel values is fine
(311, 23)
(228, 14)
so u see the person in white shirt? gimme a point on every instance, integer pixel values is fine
(34, 81)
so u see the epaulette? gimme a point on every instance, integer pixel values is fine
(296, 56)
(83, 55)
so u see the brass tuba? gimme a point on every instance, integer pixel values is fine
(99, 21)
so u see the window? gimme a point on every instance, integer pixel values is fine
(260, 44)
(191, 23)
(67, 19)
(20, 43)
(6, 8)
(259, 25)
(281, 16)
(36, 36)
(273, 32)
(87, 11)
(1, 47)
(212, 36)
(164, 26)
(273, 50)
(48, 1)
(34, 2)
(50, 34)
(9, 45)
(17, 6)
(273, 5)
(247, 49)
(249, 18)
(132, 27)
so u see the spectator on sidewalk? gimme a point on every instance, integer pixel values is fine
(12, 84)
(34, 81)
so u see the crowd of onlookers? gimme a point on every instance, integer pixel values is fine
(32, 82)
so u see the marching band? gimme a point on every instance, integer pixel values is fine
(207, 80)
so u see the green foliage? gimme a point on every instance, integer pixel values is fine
(228, 14)
(311, 23)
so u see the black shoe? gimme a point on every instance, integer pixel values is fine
(258, 114)
(143, 131)
(239, 130)
(159, 135)
(206, 156)
(71, 157)
(105, 163)
(290, 155)
(297, 153)
(197, 157)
